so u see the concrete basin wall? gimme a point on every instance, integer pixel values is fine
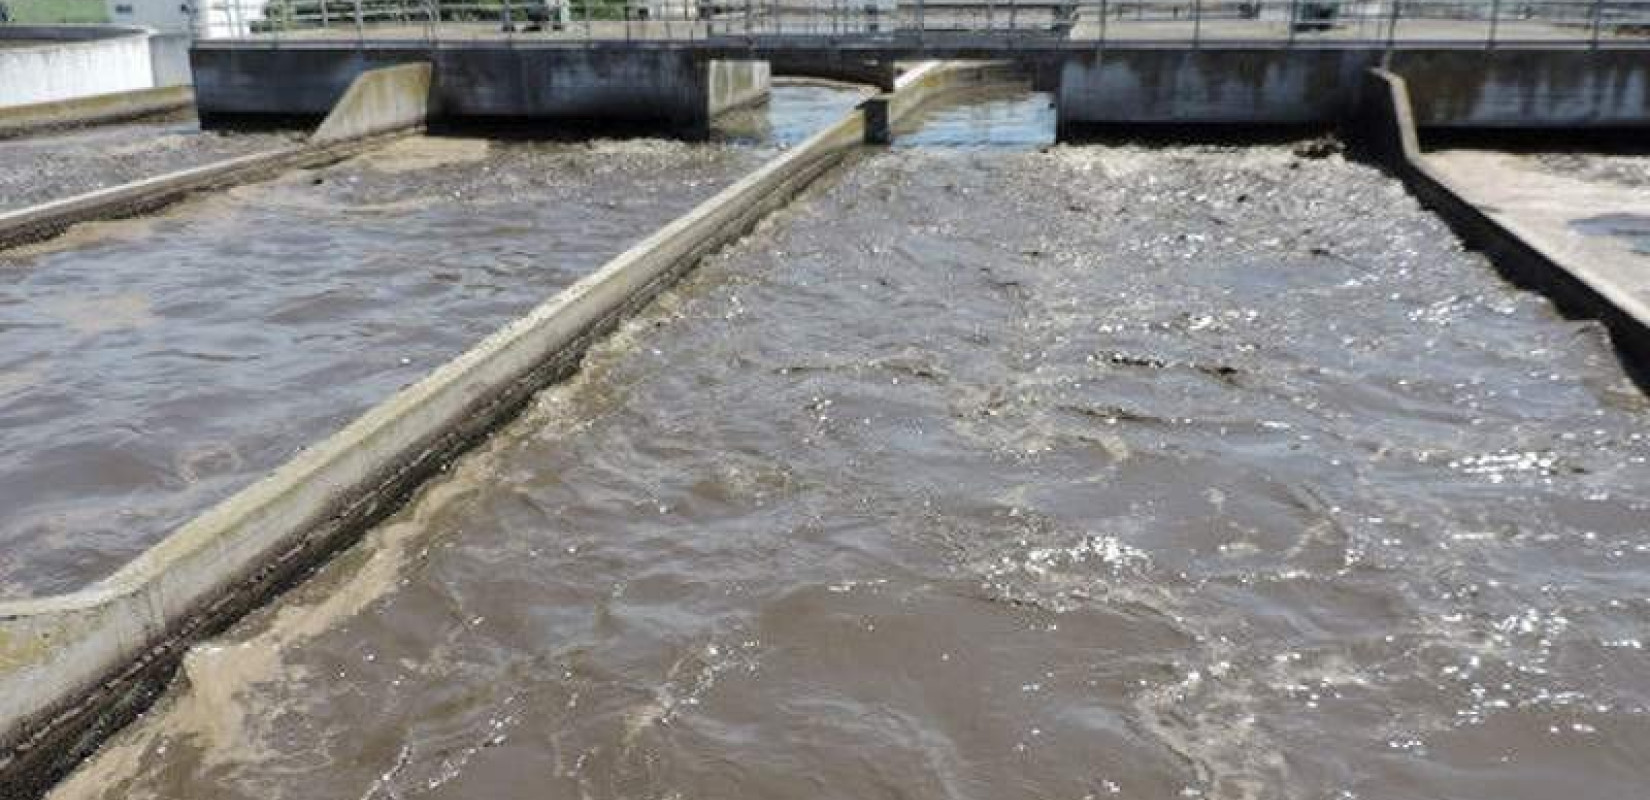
(673, 89)
(76, 61)
(1451, 88)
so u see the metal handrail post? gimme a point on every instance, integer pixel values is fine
(1197, 24)
(1102, 35)
(1294, 18)
(1598, 20)
(360, 26)
(1392, 28)
(1495, 23)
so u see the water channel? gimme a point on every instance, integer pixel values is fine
(155, 366)
(987, 469)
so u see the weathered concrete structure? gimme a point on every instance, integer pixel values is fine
(1453, 87)
(680, 85)
(670, 88)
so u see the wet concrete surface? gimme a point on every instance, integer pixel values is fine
(1589, 212)
(1092, 471)
(155, 366)
(64, 163)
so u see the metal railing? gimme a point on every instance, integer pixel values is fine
(991, 23)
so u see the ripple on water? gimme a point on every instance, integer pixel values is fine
(1227, 475)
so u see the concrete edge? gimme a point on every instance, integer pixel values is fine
(379, 101)
(93, 110)
(74, 668)
(1388, 131)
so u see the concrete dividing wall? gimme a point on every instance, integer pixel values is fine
(169, 59)
(1388, 131)
(75, 62)
(673, 89)
(1454, 88)
(75, 667)
(379, 101)
(1209, 87)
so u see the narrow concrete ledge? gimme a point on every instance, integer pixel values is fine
(76, 667)
(1580, 289)
(17, 120)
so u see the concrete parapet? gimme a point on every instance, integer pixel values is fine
(1455, 88)
(379, 101)
(1388, 132)
(15, 120)
(75, 667)
(1560, 89)
(1208, 87)
(673, 89)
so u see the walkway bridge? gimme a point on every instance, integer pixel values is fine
(1555, 64)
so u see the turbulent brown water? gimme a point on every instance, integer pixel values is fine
(153, 367)
(1090, 472)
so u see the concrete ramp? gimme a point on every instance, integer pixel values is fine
(379, 101)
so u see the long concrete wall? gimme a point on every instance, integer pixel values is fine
(75, 667)
(1388, 129)
(75, 61)
(669, 88)
(1454, 88)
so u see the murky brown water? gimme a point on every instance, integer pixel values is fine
(153, 367)
(1094, 472)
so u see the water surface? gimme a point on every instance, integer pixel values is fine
(152, 367)
(1086, 472)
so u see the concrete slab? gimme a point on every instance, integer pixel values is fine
(1563, 216)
